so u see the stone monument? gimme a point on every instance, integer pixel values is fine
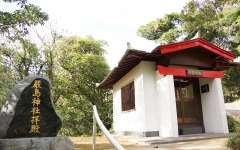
(28, 116)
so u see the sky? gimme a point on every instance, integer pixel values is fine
(115, 21)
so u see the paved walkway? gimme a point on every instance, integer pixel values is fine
(213, 141)
(181, 138)
(210, 144)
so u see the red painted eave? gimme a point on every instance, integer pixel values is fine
(181, 72)
(194, 43)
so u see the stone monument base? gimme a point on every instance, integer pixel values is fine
(41, 143)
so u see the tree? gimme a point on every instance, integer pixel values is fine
(235, 20)
(47, 39)
(14, 25)
(18, 60)
(231, 85)
(5, 79)
(166, 30)
(74, 66)
(24, 58)
(84, 64)
(212, 18)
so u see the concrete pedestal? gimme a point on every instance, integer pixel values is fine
(43, 143)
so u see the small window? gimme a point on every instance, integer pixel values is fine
(128, 97)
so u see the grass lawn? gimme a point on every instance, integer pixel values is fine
(85, 143)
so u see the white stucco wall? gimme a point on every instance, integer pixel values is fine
(214, 114)
(144, 117)
(166, 96)
(150, 96)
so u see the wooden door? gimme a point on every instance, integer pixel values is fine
(186, 93)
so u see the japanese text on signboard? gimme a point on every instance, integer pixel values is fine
(35, 107)
(194, 72)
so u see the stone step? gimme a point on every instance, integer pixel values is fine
(196, 129)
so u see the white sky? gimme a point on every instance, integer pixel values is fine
(115, 21)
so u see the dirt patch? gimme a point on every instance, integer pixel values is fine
(85, 143)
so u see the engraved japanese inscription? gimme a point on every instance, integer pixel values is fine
(29, 110)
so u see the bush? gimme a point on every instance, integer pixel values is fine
(232, 124)
(234, 141)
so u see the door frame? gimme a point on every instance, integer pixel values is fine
(198, 119)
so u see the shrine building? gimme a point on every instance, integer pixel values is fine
(173, 90)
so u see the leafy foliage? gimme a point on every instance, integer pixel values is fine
(25, 58)
(232, 124)
(74, 66)
(85, 66)
(14, 25)
(166, 30)
(217, 21)
(16, 59)
(231, 84)
(17, 62)
(233, 141)
(210, 18)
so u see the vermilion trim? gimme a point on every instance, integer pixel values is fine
(194, 43)
(181, 72)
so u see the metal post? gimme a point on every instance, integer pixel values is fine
(94, 133)
(105, 131)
